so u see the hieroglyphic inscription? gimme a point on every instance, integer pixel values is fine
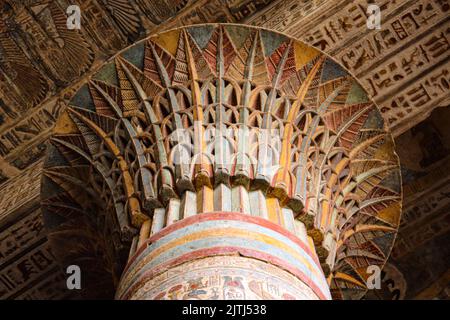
(25, 258)
(38, 50)
(426, 210)
(391, 63)
(430, 91)
(27, 267)
(410, 62)
(15, 277)
(51, 288)
(39, 59)
(283, 14)
(408, 241)
(34, 126)
(420, 210)
(21, 235)
(20, 190)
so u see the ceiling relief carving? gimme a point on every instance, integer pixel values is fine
(39, 56)
(403, 66)
(136, 133)
(28, 269)
(421, 246)
(29, 31)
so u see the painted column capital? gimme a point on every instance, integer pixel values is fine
(226, 118)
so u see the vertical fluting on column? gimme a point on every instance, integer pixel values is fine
(254, 148)
(234, 251)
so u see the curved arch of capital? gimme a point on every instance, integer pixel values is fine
(222, 117)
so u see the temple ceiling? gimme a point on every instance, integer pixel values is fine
(192, 114)
(40, 57)
(403, 67)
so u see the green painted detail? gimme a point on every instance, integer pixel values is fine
(374, 120)
(135, 55)
(238, 35)
(108, 74)
(331, 70)
(357, 94)
(271, 41)
(201, 34)
(83, 99)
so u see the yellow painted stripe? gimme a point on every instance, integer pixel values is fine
(224, 232)
(274, 211)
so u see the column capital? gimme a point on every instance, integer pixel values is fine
(226, 118)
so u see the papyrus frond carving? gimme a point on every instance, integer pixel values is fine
(230, 118)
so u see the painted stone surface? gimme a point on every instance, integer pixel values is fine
(416, 48)
(225, 234)
(228, 118)
(225, 278)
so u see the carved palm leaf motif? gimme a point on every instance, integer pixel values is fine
(29, 85)
(125, 16)
(192, 118)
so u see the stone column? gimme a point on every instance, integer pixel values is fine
(223, 255)
(225, 161)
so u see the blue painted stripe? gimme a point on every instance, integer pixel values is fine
(213, 224)
(214, 241)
